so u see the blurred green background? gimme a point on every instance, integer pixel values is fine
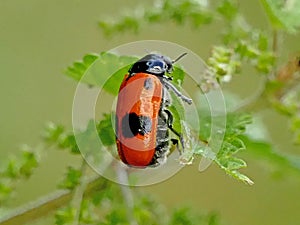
(39, 39)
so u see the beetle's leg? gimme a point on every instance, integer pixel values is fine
(184, 98)
(167, 77)
(176, 143)
(170, 126)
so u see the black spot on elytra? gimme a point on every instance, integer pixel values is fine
(148, 84)
(132, 124)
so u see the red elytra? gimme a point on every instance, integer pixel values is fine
(138, 149)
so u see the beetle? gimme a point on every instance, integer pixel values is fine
(143, 120)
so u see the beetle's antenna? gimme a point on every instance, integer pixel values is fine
(179, 57)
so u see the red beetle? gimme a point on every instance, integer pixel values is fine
(142, 117)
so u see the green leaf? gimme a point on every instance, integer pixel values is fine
(79, 68)
(106, 131)
(186, 216)
(232, 147)
(228, 9)
(68, 141)
(12, 169)
(232, 163)
(52, 132)
(106, 70)
(65, 216)
(223, 63)
(116, 216)
(270, 11)
(241, 177)
(72, 179)
(236, 124)
(232, 144)
(5, 190)
(180, 12)
(112, 85)
(205, 125)
(178, 75)
(127, 23)
(89, 144)
(265, 62)
(182, 216)
(262, 41)
(87, 215)
(283, 14)
(295, 127)
(29, 163)
(56, 134)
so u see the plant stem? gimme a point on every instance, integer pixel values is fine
(127, 194)
(275, 42)
(42, 207)
(79, 192)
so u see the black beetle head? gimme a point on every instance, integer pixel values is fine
(155, 64)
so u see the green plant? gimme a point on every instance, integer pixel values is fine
(239, 46)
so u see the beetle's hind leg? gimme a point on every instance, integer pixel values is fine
(175, 142)
(170, 126)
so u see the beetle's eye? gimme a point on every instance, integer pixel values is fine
(165, 66)
(149, 63)
(156, 64)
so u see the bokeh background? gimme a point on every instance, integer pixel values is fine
(39, 39)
